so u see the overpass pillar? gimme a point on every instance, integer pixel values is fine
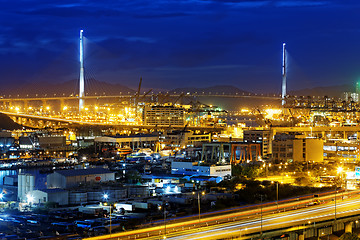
(301, 236)
(43, 103)
(62, 105)
(348, 227)
(26, 105)
(10, 104)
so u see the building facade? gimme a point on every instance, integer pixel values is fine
(70, 178)
(164, 115)
(291, 148)
(260, 136)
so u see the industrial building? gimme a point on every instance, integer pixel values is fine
(132, 141)
(55, 195)
(71, 178)
(185, 139)
(297, 148)
(233, 152)
(163, 115)
(26, 183)
(6, 141)
(194, 169)
(341, 150)
(52, 142)
(260, 136)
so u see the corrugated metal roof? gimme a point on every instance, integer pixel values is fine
(81, 172)
(53, 190)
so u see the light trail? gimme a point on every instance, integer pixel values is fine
(236, 221)
(268, 222)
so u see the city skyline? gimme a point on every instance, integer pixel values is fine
(182, 44)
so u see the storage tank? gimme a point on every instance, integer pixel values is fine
(77, 198)
(26, 183)
(95, 196)
(120, 194)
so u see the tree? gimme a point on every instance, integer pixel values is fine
(249, 171)
(132, 176)
(303, 180)
(298, 167)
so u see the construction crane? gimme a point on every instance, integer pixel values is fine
(143, 96)
(178, 98)
(137, 94)
(266, 121)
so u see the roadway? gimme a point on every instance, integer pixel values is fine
(297, 219)
(58, 97)
(250, 221)
(110, 124)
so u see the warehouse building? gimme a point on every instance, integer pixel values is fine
(71, 178)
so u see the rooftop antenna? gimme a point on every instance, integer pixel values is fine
(283, 89)
(81, 80)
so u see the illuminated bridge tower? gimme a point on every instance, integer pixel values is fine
(81, 80)
(283, 89)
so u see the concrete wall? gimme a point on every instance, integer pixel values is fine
(308, 149)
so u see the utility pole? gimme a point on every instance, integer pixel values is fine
(335, 201)
(164, 220)
(283, 89)
(261, 224)
(199, 206)
(277, 195)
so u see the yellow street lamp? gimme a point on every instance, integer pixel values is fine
(106, 197)
(198, 198)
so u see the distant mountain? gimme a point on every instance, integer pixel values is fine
(92, 87)
(220, 89)
(8, 124)
(330, 91)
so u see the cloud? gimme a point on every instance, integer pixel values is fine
(302, 3)
(161, 15)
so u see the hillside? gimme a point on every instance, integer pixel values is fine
(93, 87)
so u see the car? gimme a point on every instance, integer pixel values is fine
(99, 230)
(82, 224)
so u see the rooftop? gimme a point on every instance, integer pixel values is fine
(81, 172)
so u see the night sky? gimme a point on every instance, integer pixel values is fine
(182, 43)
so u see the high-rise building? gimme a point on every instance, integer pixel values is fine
(164, 115)
(259, 136)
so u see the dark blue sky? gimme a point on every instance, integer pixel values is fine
(193, 43)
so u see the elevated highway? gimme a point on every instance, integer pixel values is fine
(71, 97)
(39, 121)
(293, 218)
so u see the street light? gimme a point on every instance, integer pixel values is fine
(106, 197)
(261, 199)
(335, 202)
(340, 171)
(30, 199)
(198, 198)
(164, 208)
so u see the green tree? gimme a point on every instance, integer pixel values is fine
(249, 171)
(303, 181)
(132, 176)
(298, 167)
